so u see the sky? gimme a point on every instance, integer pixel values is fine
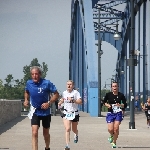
(35, 29)
(41, 29)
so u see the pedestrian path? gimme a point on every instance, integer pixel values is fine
(16, 135)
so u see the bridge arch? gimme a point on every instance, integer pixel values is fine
(82, 57)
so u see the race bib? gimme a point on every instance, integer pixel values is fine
(31, 112)
(116, 109)
(148, 111)
(70, 116)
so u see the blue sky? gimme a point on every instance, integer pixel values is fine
(41, 29)
(35, 29)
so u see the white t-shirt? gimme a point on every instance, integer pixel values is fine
(70, 107)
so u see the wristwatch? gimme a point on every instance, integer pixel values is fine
(49, 103)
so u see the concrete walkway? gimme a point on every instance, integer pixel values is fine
(16, 135)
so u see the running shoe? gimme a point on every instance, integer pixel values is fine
(76, 139)
(67, 148)
(110, 139)
(113, 145)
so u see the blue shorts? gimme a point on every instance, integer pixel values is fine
(111, 117)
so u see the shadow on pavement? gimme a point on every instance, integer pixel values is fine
(10, 124)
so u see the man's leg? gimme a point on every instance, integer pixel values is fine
(35, 137)
(35, 124)
(46, 135)
(46, 127)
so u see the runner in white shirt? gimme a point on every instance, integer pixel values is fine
(71, 98)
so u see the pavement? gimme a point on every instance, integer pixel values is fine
(16, 135)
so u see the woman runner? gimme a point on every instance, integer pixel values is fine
(115, 101)
(71, 98)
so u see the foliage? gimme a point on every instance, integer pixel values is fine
(34, 62)
(103, 92)
(14, 89)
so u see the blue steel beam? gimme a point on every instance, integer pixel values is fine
(104, 28)
(108, 22)
(111, 4)
(114, 3)
(108, 16)
(108, 37)
(144, 55)
(103, 8)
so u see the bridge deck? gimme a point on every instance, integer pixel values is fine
(16, 135)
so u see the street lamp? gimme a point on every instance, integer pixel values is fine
(132, 67)
(99, 65)
(116, 34)
(100, 52)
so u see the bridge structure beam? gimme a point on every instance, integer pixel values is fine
(82, 54)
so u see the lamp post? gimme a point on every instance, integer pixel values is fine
(132, 70)
(99, 65)
(100, 52)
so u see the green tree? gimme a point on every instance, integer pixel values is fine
(14, 89)
(1, 89)
(103, 92)
(8, 87)
(1, 84)
(34, 62)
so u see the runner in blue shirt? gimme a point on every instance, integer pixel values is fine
(38, 90)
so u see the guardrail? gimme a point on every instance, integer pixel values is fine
(9, 110)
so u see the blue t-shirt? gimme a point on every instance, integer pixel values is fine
(39, 94)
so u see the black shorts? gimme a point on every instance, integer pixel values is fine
(45, 120)
(148, 117)
(76, 119)
(146, 113)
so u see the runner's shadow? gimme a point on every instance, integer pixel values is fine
(10, 124)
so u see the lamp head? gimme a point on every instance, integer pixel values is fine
(117, 36)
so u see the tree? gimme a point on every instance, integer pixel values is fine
(103, 92)
(1, 89)
(1, 84)
(34, 62)
(7, 90)
(14, 89)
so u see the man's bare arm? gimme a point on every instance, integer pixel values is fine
(26, 98)
(54, 97)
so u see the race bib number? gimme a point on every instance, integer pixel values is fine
(148, 111)
(31, 112)
(116, 109)
(70, 116)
